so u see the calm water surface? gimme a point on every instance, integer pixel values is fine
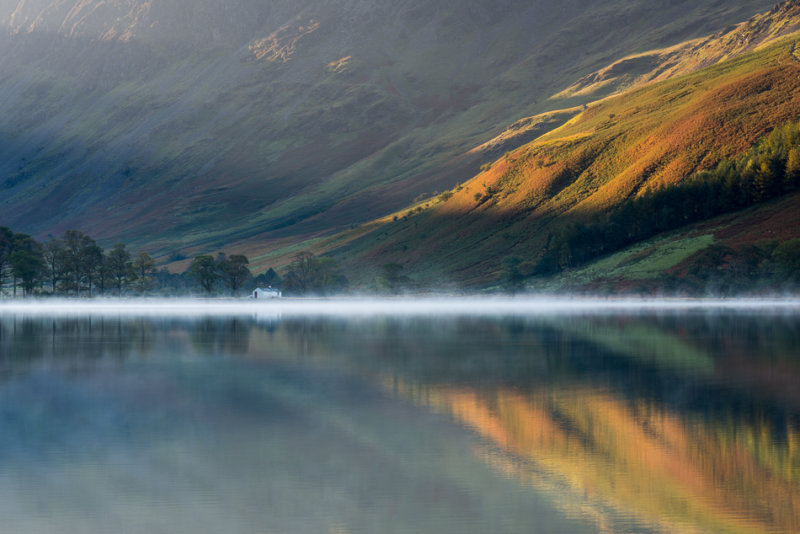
(665, 421)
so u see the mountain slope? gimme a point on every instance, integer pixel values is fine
(676, 262)
(188, 126)
(615, 149)
(757, 32)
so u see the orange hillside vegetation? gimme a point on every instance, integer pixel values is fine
(617, 148)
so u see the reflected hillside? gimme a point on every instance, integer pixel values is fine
(682, 473)
(651, 417)
(677, 422)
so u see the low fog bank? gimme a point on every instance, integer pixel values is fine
(399, 306)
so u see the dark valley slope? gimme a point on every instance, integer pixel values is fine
(185, 126)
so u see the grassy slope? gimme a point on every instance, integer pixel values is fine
(276, 135)
(639, 267)
(618, 147)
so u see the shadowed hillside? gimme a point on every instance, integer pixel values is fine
(614, 151)
(185, 126)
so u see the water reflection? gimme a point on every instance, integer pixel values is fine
(663, 421)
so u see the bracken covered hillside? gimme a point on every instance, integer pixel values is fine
(612, 152)
(184, 126)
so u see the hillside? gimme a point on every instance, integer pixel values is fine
(182, 127)
(615, 149)
(725, 255)
(655, 65)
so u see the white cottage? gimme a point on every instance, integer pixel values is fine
(269, 293)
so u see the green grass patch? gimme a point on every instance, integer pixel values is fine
(288, 250)
(642, 261)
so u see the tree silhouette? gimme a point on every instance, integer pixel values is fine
(27, 262)
(205, 273)
(234, 270)
(308, 274)
(144, 268)
(120, 267)
(54, 262)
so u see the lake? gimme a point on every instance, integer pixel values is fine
(407, 416)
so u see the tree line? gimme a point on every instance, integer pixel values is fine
(721, 270)
(306, 274)
(75, 265)
(768, 170)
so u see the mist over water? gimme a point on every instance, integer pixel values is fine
(369, 306)
(400, 415)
